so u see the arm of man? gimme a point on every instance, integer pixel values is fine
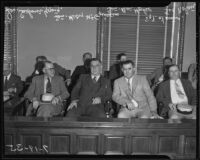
(64, 92)
(62, 71)
(30, 93)
(162, 97)
(76, 90)
(117, 97)
(108, 92)
(150, 96)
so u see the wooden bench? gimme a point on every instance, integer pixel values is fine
(86, 136)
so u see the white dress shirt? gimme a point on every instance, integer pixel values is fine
(97, 77)
(174, 96)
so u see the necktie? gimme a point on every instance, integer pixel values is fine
(48, 86)
(6, 83)
(94, 79)
(129, 84)
(178, 91)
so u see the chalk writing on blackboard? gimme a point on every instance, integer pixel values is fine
(147, 12)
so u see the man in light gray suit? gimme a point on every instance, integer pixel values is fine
(134, 94)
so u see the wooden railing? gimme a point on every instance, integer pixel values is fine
(86, 136)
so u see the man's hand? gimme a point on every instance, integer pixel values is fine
(96, 100)
(130, 106)
(55, 100)
(155, 116)
(172, 106)
(72, 105)
(36, 104)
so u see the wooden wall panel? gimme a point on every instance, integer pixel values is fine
(114, 145)
(87, 144)
(59, 144)
(190, 145)
(168, 144)
(141, 145)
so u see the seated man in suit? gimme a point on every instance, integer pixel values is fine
(134, 95)
(177, 96)
(11, 90)
(90, 93)
(159, 74)
(115, 69)
(82, 69)
(46, 93)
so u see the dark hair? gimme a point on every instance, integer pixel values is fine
(120, 55)
(128, 62)
(87, 53)
(41, 57)
(167, 58)
(95, 59)
(47, 62)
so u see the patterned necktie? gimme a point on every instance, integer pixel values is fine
(6, 83)
(179, 91)
(48, 86)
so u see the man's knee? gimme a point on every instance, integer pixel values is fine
(122, 115)
(174, 116)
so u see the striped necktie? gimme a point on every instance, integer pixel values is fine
(94, 79)
(179, 91)
(129, 85)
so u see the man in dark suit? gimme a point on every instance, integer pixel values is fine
(115, 69)
(50, 86)
(90, 93)
(12, 88)
(82, 69)
(174, 93)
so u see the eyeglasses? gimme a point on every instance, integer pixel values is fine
(51, 69)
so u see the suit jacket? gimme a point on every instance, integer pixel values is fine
(142, 92)
(155, 75)
(14, 82)
(36, 88)
(62, 71)
(84, 90)
(76, 74)
(115, 72)
(164, 94)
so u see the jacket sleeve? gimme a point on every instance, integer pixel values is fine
(108, 92)
(30, 93)
(62, 71)
(76, 90)
(117, 97)
(19, 86)
(64, 92)
(162, 98)
(149, 94)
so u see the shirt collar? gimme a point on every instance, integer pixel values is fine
(97, 77)
(8, 76)
(175, 81)
(130, 79)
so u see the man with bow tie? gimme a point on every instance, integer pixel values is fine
(134, 94)
(12, 88)
(177, 93)
(90, 94)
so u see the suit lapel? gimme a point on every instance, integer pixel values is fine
(168, 90)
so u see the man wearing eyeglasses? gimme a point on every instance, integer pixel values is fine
(46, 93)
(90, 93)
